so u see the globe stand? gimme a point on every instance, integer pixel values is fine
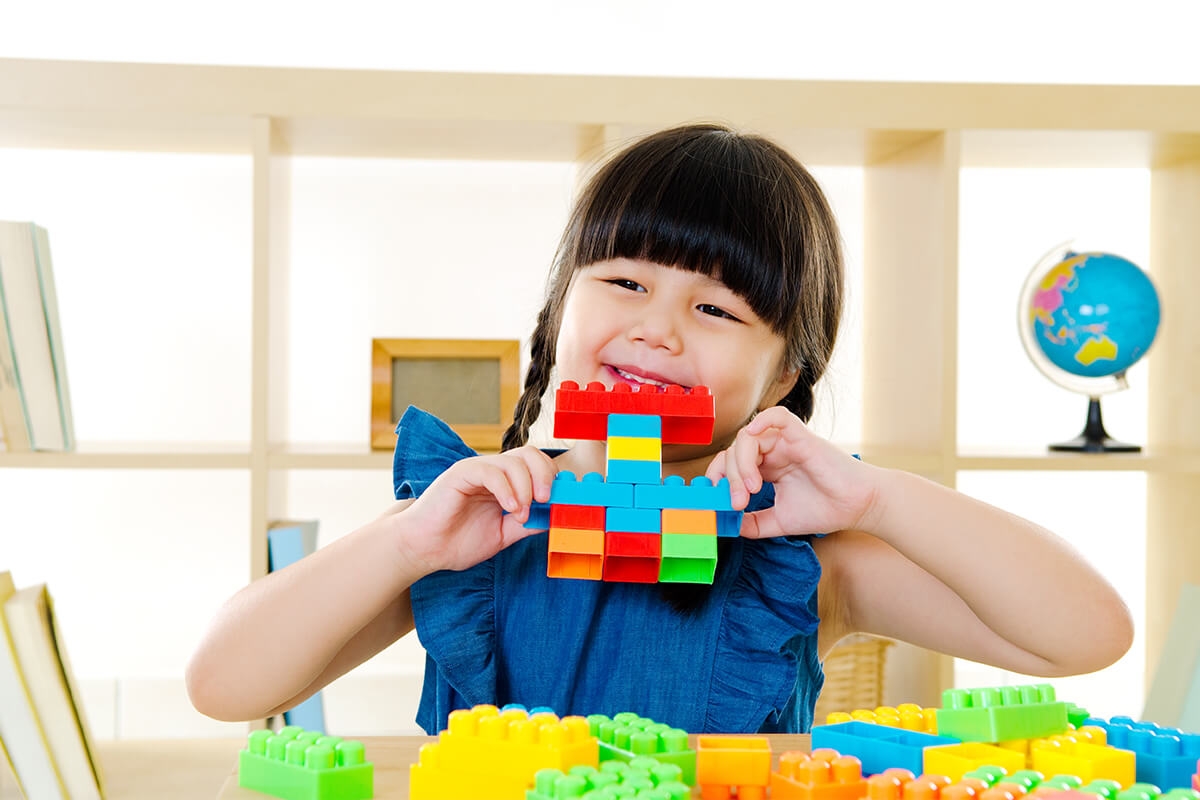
(1094, 438)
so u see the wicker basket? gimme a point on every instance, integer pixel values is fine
(853, 675)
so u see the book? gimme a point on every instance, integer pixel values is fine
(287, 543)
(21, 735)
(50, 687)
(34, 350)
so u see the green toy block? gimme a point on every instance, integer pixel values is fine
(1001, 714)
(641, 776)
(1076, 715)
(303, 765)
(688, 558)
(626, 736)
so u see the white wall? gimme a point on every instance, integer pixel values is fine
(154, 290)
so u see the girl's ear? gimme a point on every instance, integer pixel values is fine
(780, 388)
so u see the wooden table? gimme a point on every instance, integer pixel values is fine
(199, 769)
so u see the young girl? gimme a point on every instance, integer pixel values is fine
(698, 256)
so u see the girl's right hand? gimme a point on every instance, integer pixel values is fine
(460, 518)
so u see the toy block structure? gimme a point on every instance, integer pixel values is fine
(495, 753)
(1083, 753)
(733, 765)
(879, 747)
(999, 714)
(956, 760)
(909, 716)
(1165, 757)
(627, 736)
(820, 775)
(631, 525)
(296, 764)
(641, 777)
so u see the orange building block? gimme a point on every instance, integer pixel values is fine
(686, 520)
(575, 554)
(823, 775)
(728, 764)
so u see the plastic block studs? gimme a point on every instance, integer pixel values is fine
(909, 716)
(488, 752)
(728, 765)
(1084, 754)
(626, 736)
(1166, 757)
(641, 774)
(592, 490)
(302, 765)
(1002, 713)
(687, 414)
(674, 492)
(878, 747)
(823, 775)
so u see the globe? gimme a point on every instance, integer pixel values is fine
(1085, 319)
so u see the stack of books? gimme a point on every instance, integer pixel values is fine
(43, 730)
(35, 403)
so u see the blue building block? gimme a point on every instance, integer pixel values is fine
(729, 523)
(591, 491)
(621, 470)
(539, 517)
(674, 492)
(878, 747)
(648, 426)
(633, 520)
(1165, 757)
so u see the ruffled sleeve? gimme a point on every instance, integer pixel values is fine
(768, 637)
(454, 612)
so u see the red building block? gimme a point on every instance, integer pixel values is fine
(687, 414)
(578, 518)
(632, 557)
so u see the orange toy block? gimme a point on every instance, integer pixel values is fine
(687, 520)
(575, 554)
(823, 775)
(729, 764)
(889, 784)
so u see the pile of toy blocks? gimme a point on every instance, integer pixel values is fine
(629, 524)
(1021, 734)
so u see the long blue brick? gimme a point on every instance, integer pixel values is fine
(633, 520)
(878, 747)
(647, 426)
(1165, 757)
(623, 470)
(674, 492)
(591, 491)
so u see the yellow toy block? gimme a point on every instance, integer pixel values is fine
(955, 760)
(909, 716)
(726, 762)
(432, 779)
(512, 744)
(1079, 754)
(634, 448)
(683, 520)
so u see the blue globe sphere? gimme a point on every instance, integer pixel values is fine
(1090, 315)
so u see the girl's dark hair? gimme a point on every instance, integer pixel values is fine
(707, 199)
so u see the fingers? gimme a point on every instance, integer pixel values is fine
(761, 524)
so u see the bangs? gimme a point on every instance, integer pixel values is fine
(710, 205)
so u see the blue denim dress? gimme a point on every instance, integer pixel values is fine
(744, 661)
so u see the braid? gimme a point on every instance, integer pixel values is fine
(541, 360)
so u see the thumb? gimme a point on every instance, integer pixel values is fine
(762, 524)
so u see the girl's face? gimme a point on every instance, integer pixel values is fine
(632, 321)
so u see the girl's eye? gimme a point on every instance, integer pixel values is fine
(716, 311)
(625, 283)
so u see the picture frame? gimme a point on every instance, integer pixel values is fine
(470, 384)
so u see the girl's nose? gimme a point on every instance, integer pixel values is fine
(657, 330)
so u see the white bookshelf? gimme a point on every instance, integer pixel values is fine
(912, 141)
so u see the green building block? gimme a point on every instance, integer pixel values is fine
(303, 765)
(626, 736)
(1001, 714)
(688, 558)
(640, 777)
(1076, 715)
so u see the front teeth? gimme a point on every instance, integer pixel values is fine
(636, 379)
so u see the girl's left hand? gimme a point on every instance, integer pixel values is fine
(818, 488)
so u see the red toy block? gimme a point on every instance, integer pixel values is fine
(579, 518)
(823, 775)
(687, 415)
(632, 557)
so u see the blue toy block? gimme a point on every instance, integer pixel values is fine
(729, 523)
(622, 470)
(539, 517)
(674, 492)
(591, 491)
(633, 520)
(1165, 757)
(647, 426)
(878, 747)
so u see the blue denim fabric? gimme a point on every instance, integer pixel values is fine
(744, 661)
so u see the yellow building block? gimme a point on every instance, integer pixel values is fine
(1076, 754)
(685, 520)
(511, 744)
(909, 716)
(634, 448)
(954, 760)
(431, 779)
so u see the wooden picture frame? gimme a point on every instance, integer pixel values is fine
(470, 384)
